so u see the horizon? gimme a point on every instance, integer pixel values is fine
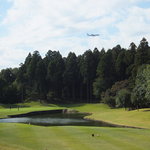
(29, 25)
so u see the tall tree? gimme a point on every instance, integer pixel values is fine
(105, 74)
(129, 59)
(142, 56)
(55, 71)
(22, 81)
(31, 66)
(88, 72)
(121, 66)
(71, 77)
(40, 76)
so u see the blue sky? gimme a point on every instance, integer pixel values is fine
(28, 25)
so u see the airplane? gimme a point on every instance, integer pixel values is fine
(92, 34)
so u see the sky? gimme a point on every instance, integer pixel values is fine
(62, 25)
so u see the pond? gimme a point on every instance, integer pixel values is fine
(58, 119)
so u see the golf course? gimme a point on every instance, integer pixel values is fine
(17, 136)
(74, 75)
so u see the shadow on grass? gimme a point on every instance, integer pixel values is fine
(71, 105)
(13, 106)
(146, 110)
(48, 105)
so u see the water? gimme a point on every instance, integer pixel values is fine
(75, 119)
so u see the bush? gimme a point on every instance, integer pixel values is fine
(123, 98)
(141, 92)
(110, 101)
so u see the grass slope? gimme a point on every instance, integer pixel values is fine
(28, 137)
(137, 118)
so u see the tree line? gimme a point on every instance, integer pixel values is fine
(119, 77)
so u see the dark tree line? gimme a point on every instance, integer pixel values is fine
(89, 77)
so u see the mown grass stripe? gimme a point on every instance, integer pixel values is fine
(125, 138)
(50, 139)
(84, 135)
(9, 137)
(27, 136)
(71, 140)
(31, 137)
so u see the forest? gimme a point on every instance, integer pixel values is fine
(118, 77)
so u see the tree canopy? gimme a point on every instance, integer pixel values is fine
(119, 77)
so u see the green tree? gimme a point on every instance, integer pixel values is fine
(123, 98)
(7, 75)
(105, 74)
(88, 71)
(70, 77)
(142, 56)
(118, 87)
(40, 76)
(121, 66)
(8, 90)
(55, 71)
(22, 81)
(141, 92)
(31, 65)
(115, 52)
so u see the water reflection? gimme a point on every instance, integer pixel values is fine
(56, 120)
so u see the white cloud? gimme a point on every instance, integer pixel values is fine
(135, 26)
(63, 24)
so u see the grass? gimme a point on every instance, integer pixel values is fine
(29, 137)
(15, 136)
(135, 118)
(25, 108)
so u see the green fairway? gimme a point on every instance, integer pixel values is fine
(15, 136)
(23, 137)
(137, 118)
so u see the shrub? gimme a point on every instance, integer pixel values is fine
(123, 98)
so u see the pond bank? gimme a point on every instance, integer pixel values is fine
(34, 113)
(69, 111)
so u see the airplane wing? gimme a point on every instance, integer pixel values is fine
(92, 34)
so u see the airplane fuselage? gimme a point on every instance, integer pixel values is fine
(92, 34)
